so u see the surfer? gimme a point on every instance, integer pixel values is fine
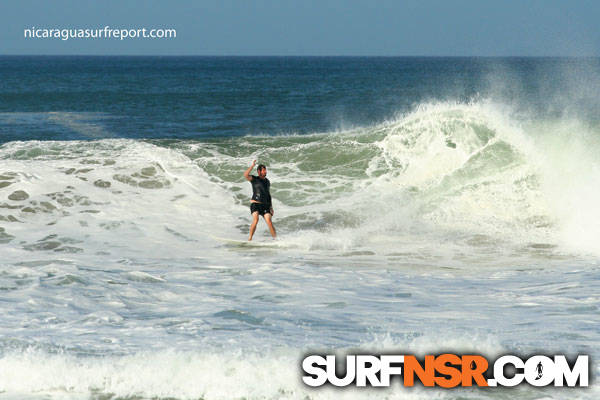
(260, 204)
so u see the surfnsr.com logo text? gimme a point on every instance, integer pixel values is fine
(445, 370)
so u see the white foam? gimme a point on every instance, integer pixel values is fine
(570, 172)
(111, 194)
(210, 375)
(229, 373)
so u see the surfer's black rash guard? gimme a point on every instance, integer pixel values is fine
(260, 190)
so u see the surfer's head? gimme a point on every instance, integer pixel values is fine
(262, 171)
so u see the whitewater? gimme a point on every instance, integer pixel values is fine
(451, 226)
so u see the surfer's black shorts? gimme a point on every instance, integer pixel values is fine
(261, 208)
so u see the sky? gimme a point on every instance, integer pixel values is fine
(311, 27)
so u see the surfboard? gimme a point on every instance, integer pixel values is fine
(245, 243)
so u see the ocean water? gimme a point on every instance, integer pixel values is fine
(422, 205)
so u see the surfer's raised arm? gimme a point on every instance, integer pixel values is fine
(249, 170)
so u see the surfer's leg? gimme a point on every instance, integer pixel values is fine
(267, 217)
(253, 225)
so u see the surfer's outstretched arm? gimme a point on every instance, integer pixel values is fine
(249, 170)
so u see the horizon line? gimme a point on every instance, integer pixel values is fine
(299, 56)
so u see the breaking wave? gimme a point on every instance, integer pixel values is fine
(445, 172)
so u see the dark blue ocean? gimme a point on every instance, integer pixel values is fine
(422, 205)
(198, 97)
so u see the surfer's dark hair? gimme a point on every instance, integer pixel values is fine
(260, 167)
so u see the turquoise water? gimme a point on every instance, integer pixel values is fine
(422, 204)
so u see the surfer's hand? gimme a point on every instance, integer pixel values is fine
(253, 163)
(271, 211)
